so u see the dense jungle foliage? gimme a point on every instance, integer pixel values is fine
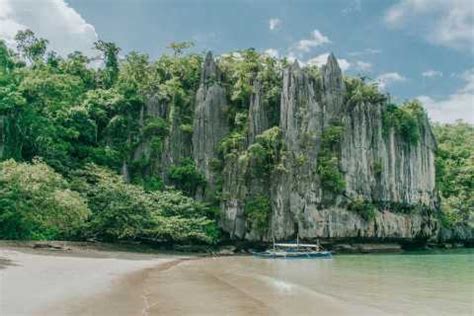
(455, 172)
(70, 128)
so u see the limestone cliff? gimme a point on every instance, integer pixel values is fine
(317, 172)
(174, 146)
(377, 165)
(210, 122)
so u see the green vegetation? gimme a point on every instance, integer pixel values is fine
(86, 124)
(362, 207)
(367, 209)
(405, 120)
(378, 168)
(266, 151)
(186, 177)
(257, 210)
(328, 170)
(37, 203)
(358, 91)
(241, 69)
(67, 130)
(233, 143)
(401, 208)
(455, 172)
(125, 211)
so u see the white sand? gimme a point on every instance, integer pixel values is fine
(37, 283)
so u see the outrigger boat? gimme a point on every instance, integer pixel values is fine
(294, 250)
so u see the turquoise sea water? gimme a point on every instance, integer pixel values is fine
(427, 283)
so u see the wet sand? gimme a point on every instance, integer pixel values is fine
(89, 283)
(45, 282)
(215, 286)
(115, 284)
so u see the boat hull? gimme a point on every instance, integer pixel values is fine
(293, 255)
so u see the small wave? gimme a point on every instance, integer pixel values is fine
(282, 286)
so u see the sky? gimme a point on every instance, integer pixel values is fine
(420, 49)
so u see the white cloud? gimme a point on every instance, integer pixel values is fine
(432, 73)
(363, 66)
(292, 57)
(367, 51)
(388, 78)
(274, 23)
(321, 60)
(459, 105)
(445, 22)
(272, 52)
(54, 20)
(316, 39)
(354, 6)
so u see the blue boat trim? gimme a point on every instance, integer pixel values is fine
(294, 250)
(293, 255)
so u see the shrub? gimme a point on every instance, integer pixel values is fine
(122, 211)
(330, 175)
(358, 91)
(378, 168)
(362, 207)
(258, 210)
(270, 138)
(401, 207)
(240, 120)
(328, 170)
(37, 203)
(186, 128)
(405, 120)
(232, 143)
(156, 127)
(265, 152)
(186, 177)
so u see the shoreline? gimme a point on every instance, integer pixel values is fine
(87, 281)
(56, 282)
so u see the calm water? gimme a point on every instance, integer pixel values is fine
(428, 283)
(433, 283)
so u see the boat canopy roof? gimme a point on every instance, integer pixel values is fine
(296, 245)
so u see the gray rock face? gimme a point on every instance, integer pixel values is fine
(258, 117)
(333, 89)
(210, 122)
(296, 189)
(376, 166)
(175, 146)
(235, 189)
(406, 172)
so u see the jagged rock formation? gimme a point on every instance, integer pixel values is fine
(174, 147)
(258, 117)
(210, 121)
(333, 90)
(374, 162)
(407, 172)
(376, 167)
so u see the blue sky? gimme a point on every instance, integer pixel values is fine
(414, 48)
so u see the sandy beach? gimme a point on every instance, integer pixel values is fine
(110, 283)
(51, 282)
(102, 283)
